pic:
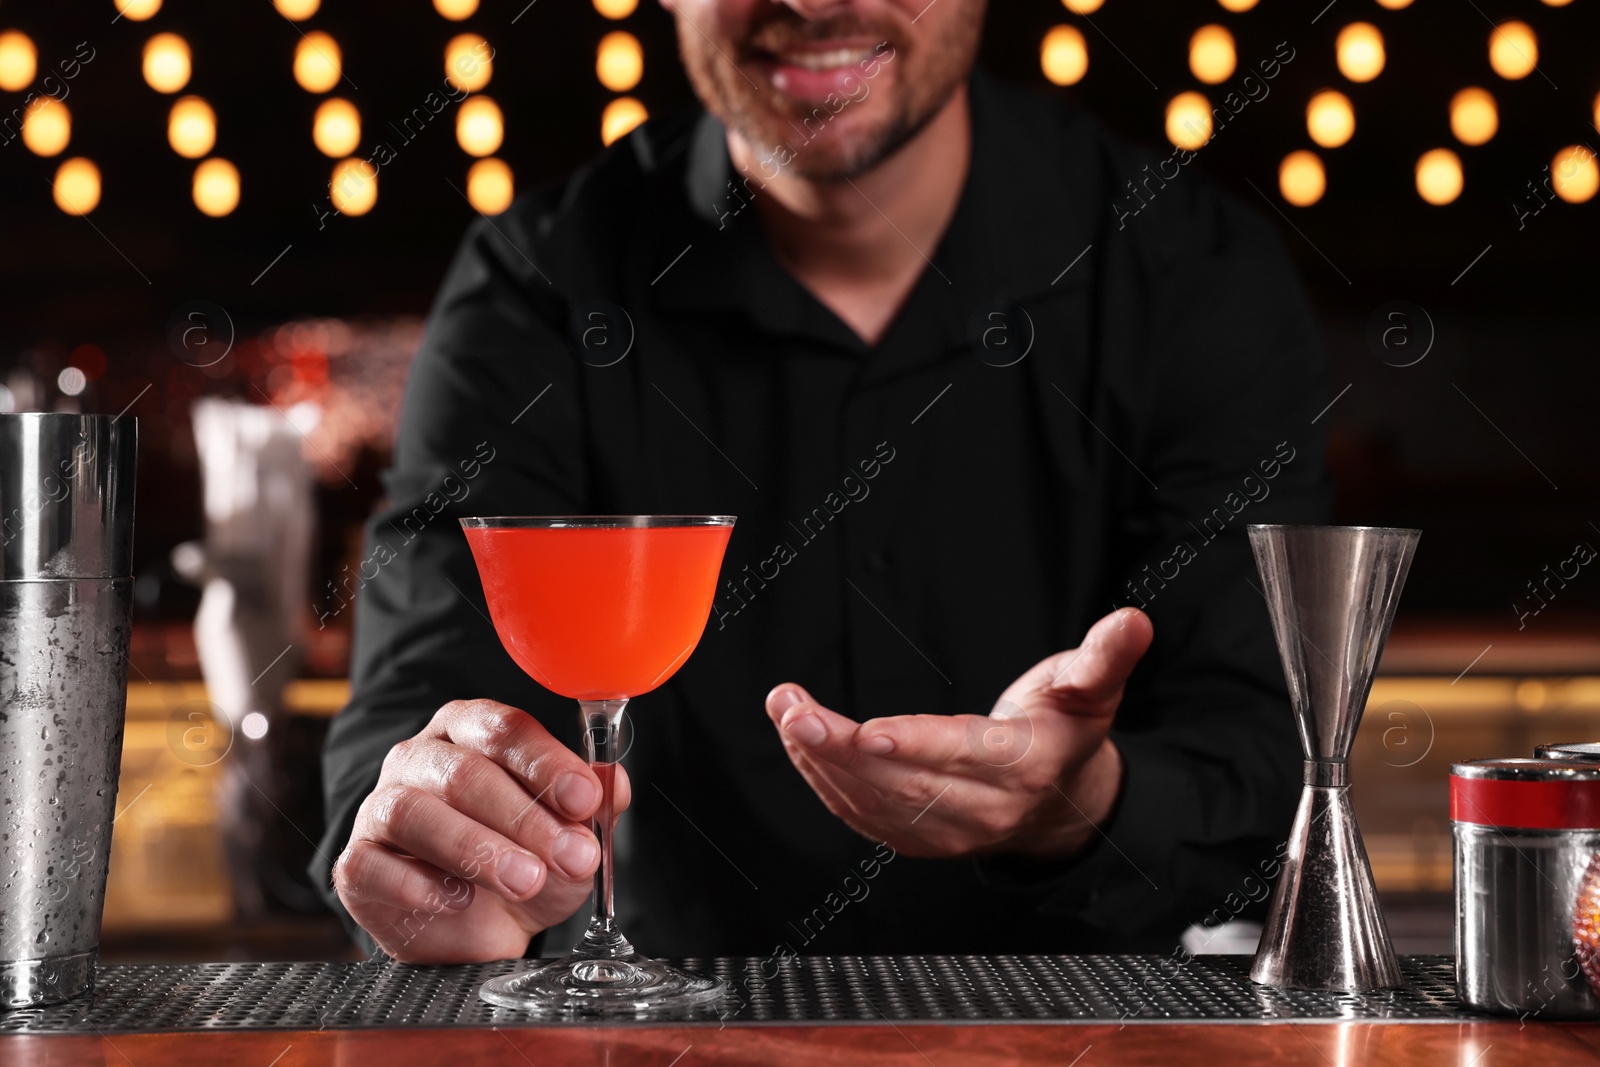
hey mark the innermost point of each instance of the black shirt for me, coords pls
(1075, 409)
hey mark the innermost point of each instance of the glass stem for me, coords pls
(602, 744)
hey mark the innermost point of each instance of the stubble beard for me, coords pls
(776, 127)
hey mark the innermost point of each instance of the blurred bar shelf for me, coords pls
(316, 697)
(1449, 645)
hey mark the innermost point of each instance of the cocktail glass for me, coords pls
(600, 609)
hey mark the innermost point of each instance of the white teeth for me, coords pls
(839, 57)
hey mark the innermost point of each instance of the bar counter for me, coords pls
(938, 1010)
(1300, 1045)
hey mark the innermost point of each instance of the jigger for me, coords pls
(1331, 592)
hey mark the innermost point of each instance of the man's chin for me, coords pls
(800, 146)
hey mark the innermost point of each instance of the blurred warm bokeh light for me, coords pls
(19, 61)
(137, 10)
(620, 117)
(1473, 116)
(616, 9)
(1189, 120)
(1330, 120)
(336, 127)
(467, 62)
(166, 62)
(456, 10)
(317, 62)
(1439, 177)
(297, 10)
(1237, 6)
(1513, 50)
(46, 126)
(489, 186)
(1211, 54)
(77, 186)
(355, 187)
(1574, 174)
(1394, 5)
(1301, 179)
(1083, 7)
(216, 187)
(479, 126)
(191, 127)
(619, 62)
(1359, 51)
(1064, 55)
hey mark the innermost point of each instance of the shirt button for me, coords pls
(877, 560)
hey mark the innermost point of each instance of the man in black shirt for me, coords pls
(965, 402)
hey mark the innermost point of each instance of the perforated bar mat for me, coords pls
(820, 989)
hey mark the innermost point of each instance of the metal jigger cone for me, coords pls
(1331, 591)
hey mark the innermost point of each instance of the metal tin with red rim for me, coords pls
(1525, 833)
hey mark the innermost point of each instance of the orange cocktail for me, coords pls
(599, 612)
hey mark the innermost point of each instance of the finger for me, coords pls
(822, 734)
(485, 792)
(926, 814)
(367, 874)
(828, 739)
(1108, 654)
(418, 823)
(783, 697)
(1094, 673)
(808, 728)
(971, 745)
(830, 784)
(876, 796)
(515, 740)
(623, 788)
(843, 800)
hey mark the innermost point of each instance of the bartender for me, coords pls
(988, 670)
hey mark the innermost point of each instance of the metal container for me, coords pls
(66, 594)
(1582, 751)
(1525, 832)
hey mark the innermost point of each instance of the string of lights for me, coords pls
(1360, 57)
(619, 65)
(1192, 118)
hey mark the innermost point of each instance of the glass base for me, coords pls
(584, 985)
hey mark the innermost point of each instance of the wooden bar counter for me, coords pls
(1474, 1044)
(882, 1011)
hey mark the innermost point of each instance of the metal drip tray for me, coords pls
(381, 994)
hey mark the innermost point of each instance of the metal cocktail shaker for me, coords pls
(66, 594)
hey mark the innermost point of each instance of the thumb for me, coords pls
(1096, 670)
(783, 697)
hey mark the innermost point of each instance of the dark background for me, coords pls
(1501, 490)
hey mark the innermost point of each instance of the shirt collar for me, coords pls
(1028, 209)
